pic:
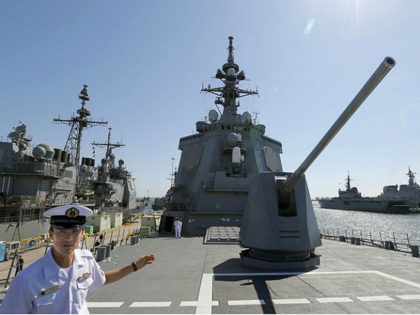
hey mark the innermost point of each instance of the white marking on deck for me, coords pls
(291, 301)
(150, 304)
(334, 300)
(246, 302)
(385, 275)
(104, 304)
(205, 296)
(409, 297)
(375, 298)
(195, 303)
(205, 301)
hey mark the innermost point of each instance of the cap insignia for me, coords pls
(72, 213)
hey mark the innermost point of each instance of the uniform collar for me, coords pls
(52, 269)
(77, 261)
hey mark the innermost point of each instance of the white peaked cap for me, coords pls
(61, 210)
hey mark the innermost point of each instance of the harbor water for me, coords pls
(400, 226)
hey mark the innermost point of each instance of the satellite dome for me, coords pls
(213, 115)
(232, 138)
(246, 117)
(231, 74)
(39, 152)
(49, 150)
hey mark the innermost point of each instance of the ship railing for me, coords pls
(110, 209)
(21, 201)
(401, 242)
(9, 219)
(25, 218)
(29, 167)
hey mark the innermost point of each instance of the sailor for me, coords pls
(19, 265)
(178, 227)
(59, 281)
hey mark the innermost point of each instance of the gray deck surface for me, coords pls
(189, 277)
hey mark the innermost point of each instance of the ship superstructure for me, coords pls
(32, 179)
(213, 178)
(114, 187)
(409, 192)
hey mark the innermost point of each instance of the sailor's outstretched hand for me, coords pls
(145, 260)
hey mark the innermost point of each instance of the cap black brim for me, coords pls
(68, 226)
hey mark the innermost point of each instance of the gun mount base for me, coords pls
(309, 263)
(279, 255)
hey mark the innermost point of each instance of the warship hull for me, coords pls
(28, 229)
(366, 205)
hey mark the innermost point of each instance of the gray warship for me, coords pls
(410, 192)
(34, 179)
(192, 276)
(351, 199)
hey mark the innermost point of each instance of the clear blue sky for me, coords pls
(145, 61)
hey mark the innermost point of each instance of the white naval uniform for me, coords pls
(178, 226)
(44, 287)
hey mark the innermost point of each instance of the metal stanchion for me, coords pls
(11, 267)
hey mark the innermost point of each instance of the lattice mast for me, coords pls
(78, 123)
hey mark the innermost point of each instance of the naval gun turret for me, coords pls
(279, 226)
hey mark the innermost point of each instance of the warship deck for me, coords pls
(190, 277)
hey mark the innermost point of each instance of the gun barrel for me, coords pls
(358, 100)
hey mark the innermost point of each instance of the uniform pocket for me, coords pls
(44, 303)
(45, 300)
(85, 284)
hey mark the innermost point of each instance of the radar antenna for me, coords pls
(109, 146)
(348, 179)
(172, 175)
(411, 177)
